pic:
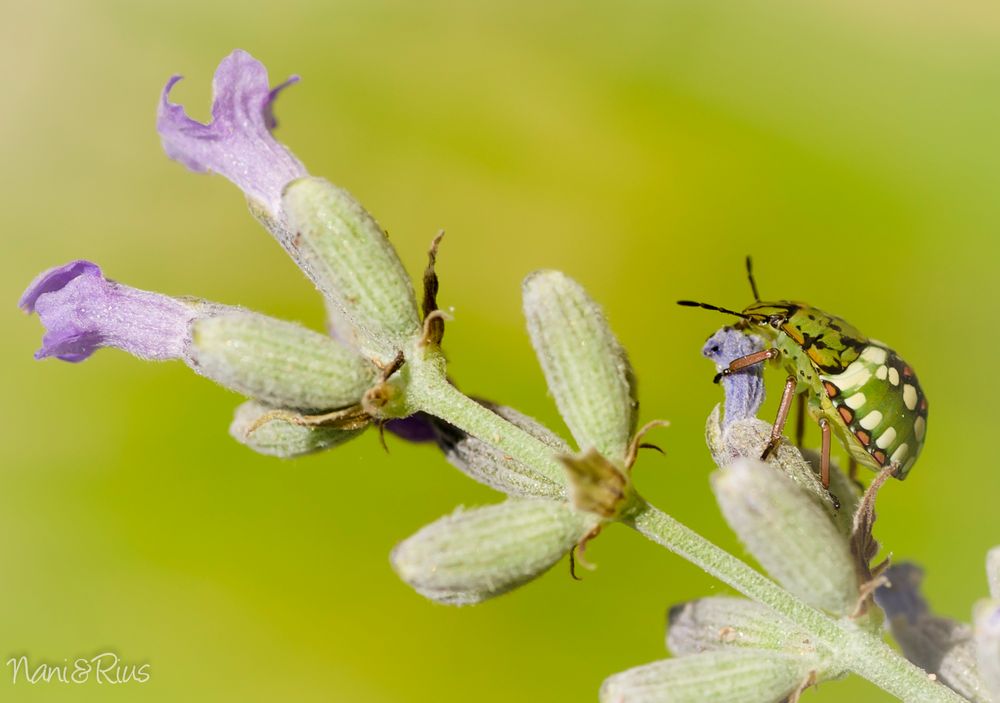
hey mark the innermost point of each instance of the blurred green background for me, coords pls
(642, 147)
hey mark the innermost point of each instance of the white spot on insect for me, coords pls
(855, 401)
(874, 355)
(871, 420)
(907, 466)
(882, 372)
(894, 376)
(909, 396)
(854, 376)
(919, 427)
(886, 438)
(900, 453)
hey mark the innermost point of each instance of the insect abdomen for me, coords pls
(879, 401)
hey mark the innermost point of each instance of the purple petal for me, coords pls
(417, 428)
(745, 388)
(902, 596)
(83, 311)
(237, 143)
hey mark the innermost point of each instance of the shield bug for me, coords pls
(854, 386)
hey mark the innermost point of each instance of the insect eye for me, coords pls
(776, 321)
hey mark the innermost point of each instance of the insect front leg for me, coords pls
(782, 418)
(745, 361)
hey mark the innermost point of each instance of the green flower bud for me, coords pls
(350, 259)
(747, 437)
(497, 469)
(585, 367)
(473, 555)
(278, 363)
(733, 676)
(791, 536)
(271, 432)
(722, 622)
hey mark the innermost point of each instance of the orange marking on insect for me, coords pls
(907, 372)
(846, 414)
(863, 437)
(923, 404)
(879, 456)
(831, 390)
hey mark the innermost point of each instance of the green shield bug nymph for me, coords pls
(855, 386)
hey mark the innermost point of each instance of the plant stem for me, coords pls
(855, 649)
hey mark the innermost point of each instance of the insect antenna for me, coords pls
(753, 283)
(707, 306)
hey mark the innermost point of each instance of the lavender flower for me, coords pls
(83, 311)
(237, 143)
(745, 389)
(279, 363)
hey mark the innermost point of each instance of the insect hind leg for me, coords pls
(781, 419)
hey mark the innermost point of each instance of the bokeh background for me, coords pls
(642, 147)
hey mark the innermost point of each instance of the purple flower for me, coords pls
(237, 143)
(83, 311)
(744, 389)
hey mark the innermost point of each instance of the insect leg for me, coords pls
(782, 418)
(824, 457)
(745, 361)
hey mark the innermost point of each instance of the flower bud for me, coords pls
(791, 536)
(350, 259)
(473, 555)
(585, 367)
(491, 466)
(722, 622)
(733, 676)
(278, 363)
(747, 437)
(986, 619)
(274, 433)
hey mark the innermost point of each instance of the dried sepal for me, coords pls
(597, 485)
